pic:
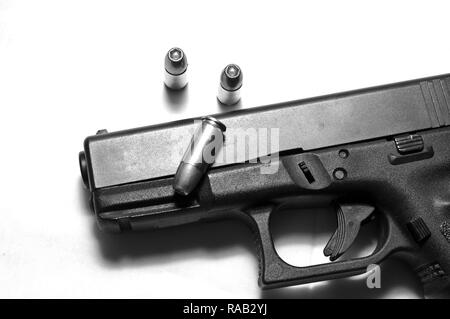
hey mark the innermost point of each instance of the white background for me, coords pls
(69, 68)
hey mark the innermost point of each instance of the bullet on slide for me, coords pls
(194, 165)
(175, 64)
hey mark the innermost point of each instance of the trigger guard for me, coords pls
(274, 272)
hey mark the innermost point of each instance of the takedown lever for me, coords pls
(349, 219)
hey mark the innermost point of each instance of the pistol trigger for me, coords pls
(349, 219)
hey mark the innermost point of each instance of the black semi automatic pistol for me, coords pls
(380, 153)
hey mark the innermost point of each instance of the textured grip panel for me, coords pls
(430, 272)
(435, 281)
(445, 230)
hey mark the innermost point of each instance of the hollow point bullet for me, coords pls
(175, 64)
(195, 163)
(230, 85)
